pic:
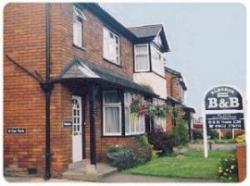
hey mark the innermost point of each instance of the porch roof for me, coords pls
(83, 69)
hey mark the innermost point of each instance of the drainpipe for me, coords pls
(47, 87)
(92, 109)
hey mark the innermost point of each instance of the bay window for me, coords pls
(78, 19)
(111, 113)
(157, 61)
(141, 58)
(133, 124)
(159, 122)
(111, 46)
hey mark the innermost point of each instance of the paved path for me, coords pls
(230, 146)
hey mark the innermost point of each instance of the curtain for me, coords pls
(142, 61)
(112, 120)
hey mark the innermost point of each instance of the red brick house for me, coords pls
(176, 88)
(70, 72)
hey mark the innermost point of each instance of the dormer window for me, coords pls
(142, 58)
(158, 41)
(78, 20)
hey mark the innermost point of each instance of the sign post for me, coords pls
(223, 110)
(205, 144)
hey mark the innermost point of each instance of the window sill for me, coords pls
(106, 60)
(78, 47)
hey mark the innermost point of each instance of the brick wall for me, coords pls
(173, 87)
(24, 39)
(241, 160)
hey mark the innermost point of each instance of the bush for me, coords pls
(180, 132)
(121, 157)
(228, 170)
(213, 134)
(142, 149)
(162, 141)
(139, 151)
(240, 139)
(197, 135)
(228, 135)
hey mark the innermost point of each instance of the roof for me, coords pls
(134, 34)
(146, 31)
(178, 75)
(108, 19)
(175, 101)
(83, 69)
(172, 71)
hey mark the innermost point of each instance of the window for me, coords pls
(111, 46)
(159, 122)
(78, 18)
(157, 61)
(133, 125)
(111, 113)
(141, 58)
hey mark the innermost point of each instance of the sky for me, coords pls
(207, 42)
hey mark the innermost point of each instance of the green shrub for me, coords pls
(121, 157)
(227, 169)
(228, 135)
(142, 139)
(213, 134)
(197, 135)
(180, 132)
(142, 149)
(139, 151)
(162, 141)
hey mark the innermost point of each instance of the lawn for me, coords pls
(190, 165)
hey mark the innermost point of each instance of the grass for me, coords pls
(190, 165)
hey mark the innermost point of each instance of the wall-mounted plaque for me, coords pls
(67, 123)
(16, 130)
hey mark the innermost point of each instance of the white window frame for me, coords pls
(159, 63)
(158, 120)
(136, 121)
(79, 17)
(104, 115)
(146, 53)
(106, 53)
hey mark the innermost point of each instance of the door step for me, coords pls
(84, 171)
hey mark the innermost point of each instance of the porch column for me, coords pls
(92, 111)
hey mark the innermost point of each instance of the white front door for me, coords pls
(76, 128)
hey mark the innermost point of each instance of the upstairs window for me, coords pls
(78, 19)
(111, 46)
(157, 61)
(141, 58)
